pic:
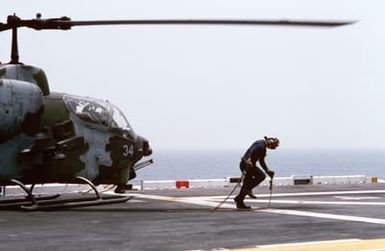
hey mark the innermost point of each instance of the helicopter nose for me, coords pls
(147, 149)
(144, 146)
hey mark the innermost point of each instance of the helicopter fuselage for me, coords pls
(55, 137)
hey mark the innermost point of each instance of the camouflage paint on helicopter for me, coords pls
(21, 102)
(54, 137)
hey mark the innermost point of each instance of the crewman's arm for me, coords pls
(264, 166)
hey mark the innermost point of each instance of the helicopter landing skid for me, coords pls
(73, 203)
(34, 203)
(17, 203)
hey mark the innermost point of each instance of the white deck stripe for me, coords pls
(181, 200)
(310, 202)
(325, 216)
(196, 201)
(307, 194)
(330, 193)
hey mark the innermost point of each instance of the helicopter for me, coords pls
(50, 137)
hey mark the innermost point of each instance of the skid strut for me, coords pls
(91, 185)
(79, 202)
(32, 203)
(26, 190)
(29, 200)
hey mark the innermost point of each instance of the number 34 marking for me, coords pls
(128, 150)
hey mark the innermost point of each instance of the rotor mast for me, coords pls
(15, 50)
(15, 47)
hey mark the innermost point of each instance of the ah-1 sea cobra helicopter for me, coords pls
(48, 137)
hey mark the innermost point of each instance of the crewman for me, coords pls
(253, 175)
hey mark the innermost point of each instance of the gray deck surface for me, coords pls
(184, 220)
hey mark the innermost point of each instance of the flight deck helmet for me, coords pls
(271, 142)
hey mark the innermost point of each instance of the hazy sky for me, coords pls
(218, 87)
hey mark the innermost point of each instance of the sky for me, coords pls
(220, 87)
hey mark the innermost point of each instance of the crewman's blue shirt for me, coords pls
(257, 152)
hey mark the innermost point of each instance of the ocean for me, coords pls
(199, 164)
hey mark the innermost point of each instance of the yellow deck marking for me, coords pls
(351, 245)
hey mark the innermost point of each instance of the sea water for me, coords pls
(216, 164)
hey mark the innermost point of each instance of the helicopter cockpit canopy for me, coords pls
(96, 111)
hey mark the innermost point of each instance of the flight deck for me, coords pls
(298, 217)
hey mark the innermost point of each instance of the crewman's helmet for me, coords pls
(271, 142)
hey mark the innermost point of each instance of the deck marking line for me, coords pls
(304, 194)
(348, 244)
(181, 199)
(308, 243)
(356, 198)
(325, 216)
(275, 211)
(311, 202)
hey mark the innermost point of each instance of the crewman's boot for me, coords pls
(239, 202)
(250, 194)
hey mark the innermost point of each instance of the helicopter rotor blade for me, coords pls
(213, 22)
(65, 23)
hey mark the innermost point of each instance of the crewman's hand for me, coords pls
(249, 164)
(270, 173)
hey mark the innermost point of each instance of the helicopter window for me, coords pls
(89, 110)
(119, 120)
